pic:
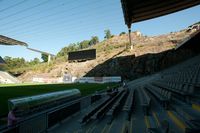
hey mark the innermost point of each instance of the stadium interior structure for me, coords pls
(140, 10)
(10, 41)
(165, 102)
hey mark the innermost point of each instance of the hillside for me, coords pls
(112, 58)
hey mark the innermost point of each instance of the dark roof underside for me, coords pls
(9, 41)
(139, 10)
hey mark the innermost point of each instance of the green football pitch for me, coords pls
(21, 90)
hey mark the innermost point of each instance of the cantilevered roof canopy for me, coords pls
(139, 10)
(9, 41)
(42, 52)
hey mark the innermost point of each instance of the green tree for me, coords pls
(122, 33)
(107, 34)
(35, 61)
(94, 40)
(44, 57)
(84, 44)
(62, 52)
(14, 62)
(7, 59)
(71, 47)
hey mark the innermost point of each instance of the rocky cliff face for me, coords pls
(131, 67)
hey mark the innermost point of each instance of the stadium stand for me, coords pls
(6, 78)
(179, 87)
(166, 102)
(161, 103)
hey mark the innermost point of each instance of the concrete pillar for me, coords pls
(49, 58)
(130, 41)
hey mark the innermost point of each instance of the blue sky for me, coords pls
(49, 25)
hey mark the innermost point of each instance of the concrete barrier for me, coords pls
(99, 79)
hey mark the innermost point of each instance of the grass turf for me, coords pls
(13, 91)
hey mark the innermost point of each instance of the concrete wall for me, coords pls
(99, 79)
(74, 79)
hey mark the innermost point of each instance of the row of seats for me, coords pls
(102, 108)
(107, 106)
(182, 112)
(178, 88)
(186, 73)
(90, 113)
(175, 87)
(164, 96)
(145, 100)
(129, 104)
(123, 100)
(120, 101)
